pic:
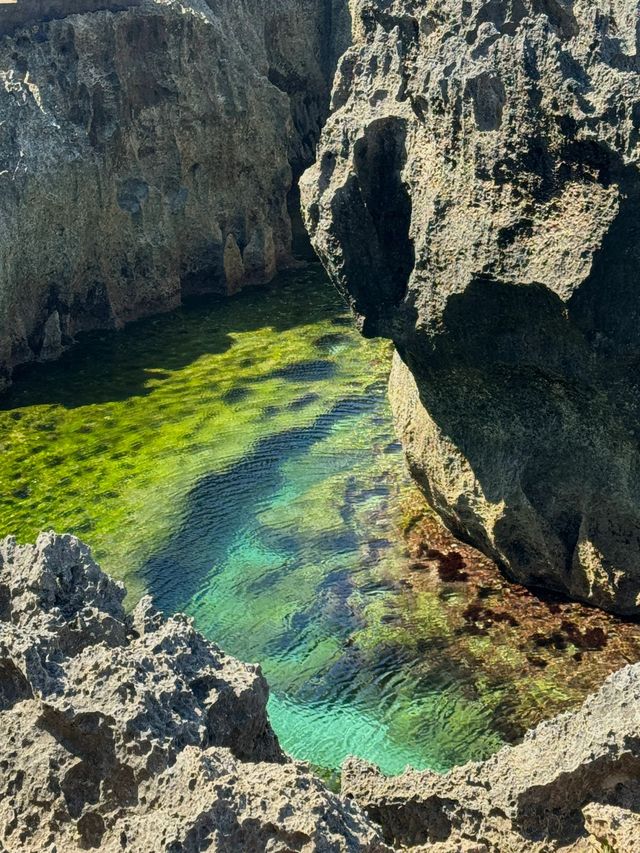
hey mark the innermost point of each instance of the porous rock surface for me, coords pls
(147, 154)
(572, 785)
(133, 733)
(476, 197)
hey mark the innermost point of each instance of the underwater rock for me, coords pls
(523, 657)
(139, 147)
(476, 198)
(571, 785)
(133, 733)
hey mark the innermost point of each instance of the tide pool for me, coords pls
(236, 460)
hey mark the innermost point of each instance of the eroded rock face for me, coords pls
(476, 198)
(571, 785)
(133, 733)
(148, 154)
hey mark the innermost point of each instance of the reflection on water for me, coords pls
(236, 460)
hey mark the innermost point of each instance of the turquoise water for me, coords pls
(236, 460)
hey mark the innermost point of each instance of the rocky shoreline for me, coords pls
(571, 785)
(132, 732)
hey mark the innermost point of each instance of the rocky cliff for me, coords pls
(476, 197)
(149, 153)
(131, 732)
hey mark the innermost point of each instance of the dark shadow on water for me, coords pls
(220, 504)
(304, 371)
(302, 403)
(332, 608)
(113, 366)
(236, 395)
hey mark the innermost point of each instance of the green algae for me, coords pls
(236, 460)
(108, 442)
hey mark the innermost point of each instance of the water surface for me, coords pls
(236, 460)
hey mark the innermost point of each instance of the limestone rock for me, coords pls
(615, 827)
(19, 13)
(571, 785)
(476, 198)
(135, 146)
(133, 733)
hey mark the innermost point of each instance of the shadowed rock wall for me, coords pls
(15, 14)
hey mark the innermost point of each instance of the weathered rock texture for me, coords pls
(476, 196)
(571, 785)
(133, 733)
(18, 13)
(149, 153)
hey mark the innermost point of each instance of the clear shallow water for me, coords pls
(236, 460)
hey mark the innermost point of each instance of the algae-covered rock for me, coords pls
(476, 197)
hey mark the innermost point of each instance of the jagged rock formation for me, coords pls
(18, 13)
(476, 197)
(149, 153)
(133, 733)
(572, 785)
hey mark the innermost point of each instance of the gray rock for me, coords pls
(476, 199)
(571, 785)
(133, 733)
(135, 146)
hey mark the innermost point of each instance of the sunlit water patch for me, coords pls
(236, 460)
